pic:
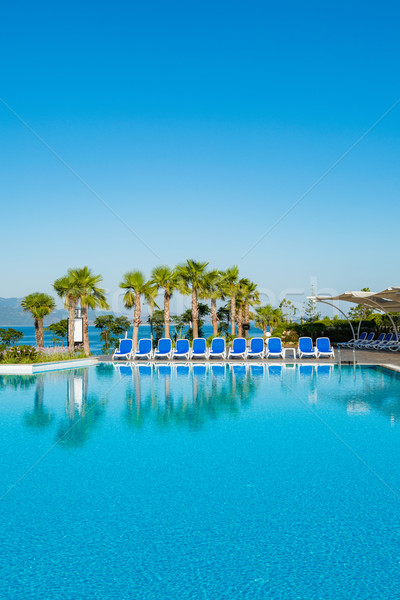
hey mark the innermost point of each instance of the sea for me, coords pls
(94, 336)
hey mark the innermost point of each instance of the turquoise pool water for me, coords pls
(200, 483)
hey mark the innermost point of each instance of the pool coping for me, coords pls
(31, 369)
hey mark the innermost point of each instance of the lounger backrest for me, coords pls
(218, 345)
(199, 345)
(239, 345)
(125, 346)
(305, 344)
(144, 346)
(370, 336)
(164, 345)
(362, 336)
(324, 344)
(182, 346)
(381, 337)
(388, 337)
(257, 345)
(274, 344)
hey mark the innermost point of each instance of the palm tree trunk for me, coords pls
(151, 322)
(240, 321)
(86, 348)
(233, 314)
(246, 319)
(167, 298)
(136, 321)
(214, 317)
(71, 325)
(195, 314)
(39, 333)
(264, 329)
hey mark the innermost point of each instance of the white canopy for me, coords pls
(387, 301)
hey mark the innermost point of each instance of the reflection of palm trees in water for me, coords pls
(174, 402)
(39, 418)
(83, 411)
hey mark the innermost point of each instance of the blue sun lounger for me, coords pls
(218, 348)
(164, 349)
(353, 341)
(324, 348)
(274, 348)
(239, 348)
(144, 350)
(306, 347)
(182, 349)
(256, 348)
(124, 350)
(199, 348)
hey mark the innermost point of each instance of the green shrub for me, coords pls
(19, 354)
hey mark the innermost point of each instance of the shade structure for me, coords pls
(387, 301)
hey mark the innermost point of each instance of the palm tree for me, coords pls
(67, 287)
(91, 296)
(39, 305)
(251, 297)
(167, 279)
(230, 282)
(135, 285)
(191, 280)
(240, 302)
(150, 295)
(213, 290)
(266, 315)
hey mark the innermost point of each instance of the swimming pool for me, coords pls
(216, 482)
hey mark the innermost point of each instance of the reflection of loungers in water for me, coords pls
(199, 370)
(164, 370)
(239, 371)
(218, 370)
(144, 370)
(125, 371)
(257, 370)
(182, 370)
(324, 370)
(306, 370)
(275, 370)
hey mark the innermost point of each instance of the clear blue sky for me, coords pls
(200, 124)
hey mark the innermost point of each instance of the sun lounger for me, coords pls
(239, 348)
(182, 349)
(324, 348)
(218, 348)
(199, 348)
(385, 343)
(164, 349)
(306, 347)
(370, 345)
(353, 341)
(144, 349)
(124, 350)
(274, 348)
(256, 348)
(368, 340)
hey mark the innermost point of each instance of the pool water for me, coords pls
(200, 483)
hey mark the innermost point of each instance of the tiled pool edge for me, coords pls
(49, 366)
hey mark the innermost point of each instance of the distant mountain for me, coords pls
(12, 315)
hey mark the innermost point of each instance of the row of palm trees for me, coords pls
(80, 287)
